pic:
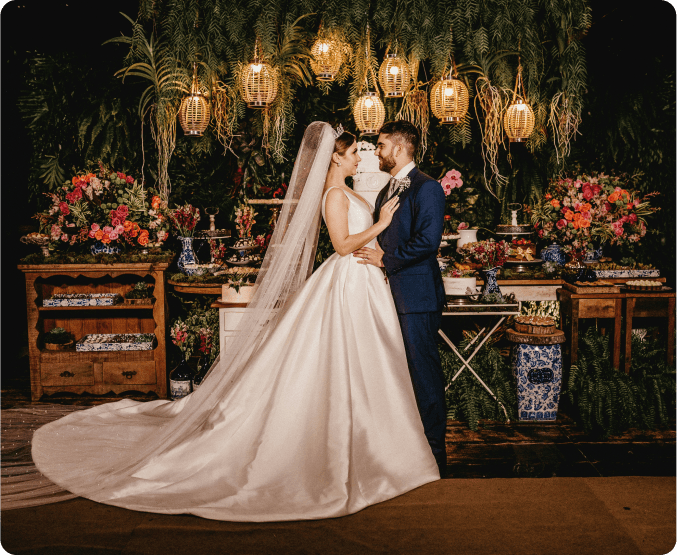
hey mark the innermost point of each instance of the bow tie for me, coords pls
(398, 185)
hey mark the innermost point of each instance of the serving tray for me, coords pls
(83, 299)
(626, 273)
(116, 342)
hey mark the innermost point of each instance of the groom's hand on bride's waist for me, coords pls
(370, 256)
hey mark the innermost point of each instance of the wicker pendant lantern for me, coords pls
(449, 97)
(369, 113)
(327, 57)
(258, 82)
(394, 76)
(194, 111)
(519, 120)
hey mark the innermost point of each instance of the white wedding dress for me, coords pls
(322, 423)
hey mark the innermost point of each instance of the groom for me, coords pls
(407, 249)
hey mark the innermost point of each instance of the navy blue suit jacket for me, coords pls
(410, 245)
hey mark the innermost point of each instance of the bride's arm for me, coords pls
(336, 216)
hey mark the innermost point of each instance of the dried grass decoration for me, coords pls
(564, 120)
(394, 75)
(194, 111)
(369, 113)
(327, 57)
(519, 120)
(449, 100)
(258, 82)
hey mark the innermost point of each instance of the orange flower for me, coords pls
(144, 232)
(627, 195)
(88, 177)
(629, 206)
(569, 215)
(577, 216)
(555, 203)
(584, 223)
(98, 235)
(155, 203)
(585, 207)
(613, 197)
(128, 225)
(577, 224)
(548, 196)
(76, 179)
(105, 239)
(143, 240)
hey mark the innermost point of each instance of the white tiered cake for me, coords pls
(369, 180)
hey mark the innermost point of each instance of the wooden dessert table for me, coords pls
(96, 372)
(631, 304)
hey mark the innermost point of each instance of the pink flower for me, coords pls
(587, 193)
(577, 183)
(446, 187)
(577, 206)
(64, 238)
(119, 229)
(632, 218)
(561, 224)
(108, 230)
(63, 206)
(95, 227)
(636, 202)
(586, 215)
(129, 179)
(113, 236)
(624, 219)
(123, 211)
(462, 225)
(55, 232)
(617, 189)
(596, 189)
(92, 233)
(116, 222)
(618, 228)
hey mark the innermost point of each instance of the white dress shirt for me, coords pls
(400, 175)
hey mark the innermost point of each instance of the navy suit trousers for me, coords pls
(420, 331)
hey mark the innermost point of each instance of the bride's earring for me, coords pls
(338, 163)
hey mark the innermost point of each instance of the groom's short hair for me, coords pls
(404, 133)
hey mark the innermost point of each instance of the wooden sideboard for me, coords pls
(97, 372)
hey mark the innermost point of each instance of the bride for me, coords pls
(311, 412)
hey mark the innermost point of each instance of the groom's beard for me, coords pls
(386, 163)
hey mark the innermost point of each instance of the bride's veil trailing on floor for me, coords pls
(162, 426)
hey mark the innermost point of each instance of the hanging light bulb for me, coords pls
(327, 57)
(258, 82)
(519, 119)
(449, 98)
(194, 111)
(369, 113)
(394, 76)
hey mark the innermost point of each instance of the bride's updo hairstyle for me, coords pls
(343, 142)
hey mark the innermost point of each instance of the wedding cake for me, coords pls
(369, 180)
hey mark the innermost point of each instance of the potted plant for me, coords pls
(240, 286)
(459, 281)
(141, 294)
(58, 339)
(185, 219)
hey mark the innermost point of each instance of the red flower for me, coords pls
(122, 175)
(587, 193)
(123, 211)
(632, 218)
(63, 206)
(561, 224)
(75, 194)
(129, 179)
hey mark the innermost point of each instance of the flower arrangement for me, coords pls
(185, 218)
(244, 220)
(205, 336)
(489, 254)
(182, 338)
(577, 212)
(106, 206)
(196, 333)
(452, 272)
(452, 180)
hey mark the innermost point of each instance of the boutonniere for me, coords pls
(403, 185)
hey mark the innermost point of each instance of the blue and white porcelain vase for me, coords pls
(538, 369)
(102, 248)
(553, 253)
(187, 256)
(490, 283)
(593, 255)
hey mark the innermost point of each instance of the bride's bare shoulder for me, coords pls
(336, 196)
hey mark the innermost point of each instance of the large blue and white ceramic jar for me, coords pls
(538, 369)
(187, 256)
(553, 253)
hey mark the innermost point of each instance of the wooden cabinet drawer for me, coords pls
(56, 373)
(597, 308)
(121, 373)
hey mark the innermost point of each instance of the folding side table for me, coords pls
(502, 310)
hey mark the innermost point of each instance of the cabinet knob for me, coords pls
(128, 374)
(66, 374)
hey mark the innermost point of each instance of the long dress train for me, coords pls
(322, 423)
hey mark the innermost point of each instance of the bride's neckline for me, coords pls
(352, 193)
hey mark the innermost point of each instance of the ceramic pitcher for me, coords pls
(467, 236)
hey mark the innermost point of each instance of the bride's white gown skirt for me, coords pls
(322, 423)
